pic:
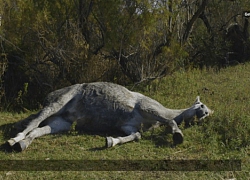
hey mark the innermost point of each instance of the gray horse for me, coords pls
(103, 107)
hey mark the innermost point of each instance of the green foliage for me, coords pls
(209, 43)
(51, 44)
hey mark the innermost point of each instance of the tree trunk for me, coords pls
(193, 19)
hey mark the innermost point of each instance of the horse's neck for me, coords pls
(181, 114)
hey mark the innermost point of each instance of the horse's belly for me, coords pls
(103, 121)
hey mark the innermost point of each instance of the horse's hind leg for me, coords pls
(55, 124)
(21, 125)
(34, 123)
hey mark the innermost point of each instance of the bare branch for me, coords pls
(193, 19)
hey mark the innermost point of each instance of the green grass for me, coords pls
(222, 136)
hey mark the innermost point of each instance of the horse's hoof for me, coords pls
(11, 142)
(177, 138)
(109, 142)
(20, 146)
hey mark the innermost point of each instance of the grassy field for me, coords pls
(222, 136)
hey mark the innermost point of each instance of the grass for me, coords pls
(222, 136)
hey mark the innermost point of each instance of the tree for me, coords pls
(48, 44)
(138, 35)
(206, 43)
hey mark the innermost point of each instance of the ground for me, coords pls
(223, 136)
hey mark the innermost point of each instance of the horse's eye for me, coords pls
(202, 106)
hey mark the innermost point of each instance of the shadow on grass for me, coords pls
(103, 135)
(160, 136)
(7, 132)
(160, 139)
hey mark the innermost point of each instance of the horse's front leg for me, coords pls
(132, 132)
(177, 134)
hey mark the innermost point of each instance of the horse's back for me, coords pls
(103, 107)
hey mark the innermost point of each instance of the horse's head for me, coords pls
(201, 109)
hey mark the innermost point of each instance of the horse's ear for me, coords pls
(197, 100)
